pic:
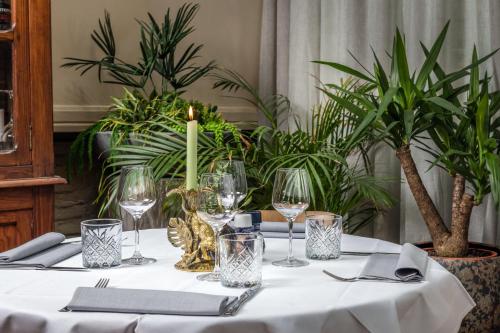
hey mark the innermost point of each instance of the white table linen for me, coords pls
(293, 300)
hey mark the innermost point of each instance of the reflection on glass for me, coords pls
(7, 144)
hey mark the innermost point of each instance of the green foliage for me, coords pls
(165, 151)
(401, 108)
(133, 114)
(469, 143)
(160, 58)
(321, 148)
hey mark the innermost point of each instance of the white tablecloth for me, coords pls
(293, 300)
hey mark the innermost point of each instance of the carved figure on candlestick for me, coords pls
(191, 234)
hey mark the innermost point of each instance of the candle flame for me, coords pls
(191, 113)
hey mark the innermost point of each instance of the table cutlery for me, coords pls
(362, 253)
(63, 268)
(354, 279)
(54, 268)
(233, 307)
(102, 283)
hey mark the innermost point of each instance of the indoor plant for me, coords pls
(335, 186)
(401, 108)
(160, 76)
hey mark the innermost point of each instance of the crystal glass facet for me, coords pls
(241, 259)
(323, 236)
(101, 243)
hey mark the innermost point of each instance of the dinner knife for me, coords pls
(245, 297)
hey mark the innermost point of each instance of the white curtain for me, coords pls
(298, 31)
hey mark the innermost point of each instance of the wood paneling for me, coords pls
(27, 182)
(16, 199)
(6, 36)
(15, 228)
(27, 175)
(25, 171)
(41, 87)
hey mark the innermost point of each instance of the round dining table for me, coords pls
(292, 300)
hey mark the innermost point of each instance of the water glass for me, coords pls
(241, 259)
(323, 236)
(101, 243)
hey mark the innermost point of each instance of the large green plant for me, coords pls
(403, 107)
(161, 66)
(321, 147)
(134, 113)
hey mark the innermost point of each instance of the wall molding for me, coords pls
(76, 118)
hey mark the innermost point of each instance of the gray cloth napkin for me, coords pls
(408, 266)
(281, 227)
(41, 252)
(271, 234)
(31, 247)
(144, 301)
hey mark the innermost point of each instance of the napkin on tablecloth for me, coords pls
(271, 234)
(280, 230)
(144, 301)
(282, 227)
(43, 251)
(409, 266)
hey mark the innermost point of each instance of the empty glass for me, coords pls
(241, 259)
(101, 243)
(290, 199)
(137, 194)
(217, 206)
(237, 170)
(323, 236)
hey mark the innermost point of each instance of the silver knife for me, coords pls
(245, 297)
(356, 253)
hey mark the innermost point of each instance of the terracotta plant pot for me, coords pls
(480, 275)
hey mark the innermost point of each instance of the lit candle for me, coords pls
(192, 151)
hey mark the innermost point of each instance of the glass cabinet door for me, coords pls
(15, 108)
(7, 141)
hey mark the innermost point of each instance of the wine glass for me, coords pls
(237, 170)
(137, 194)
(290, 199)
(217, 206)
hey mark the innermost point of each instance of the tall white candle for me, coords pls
(192, 152)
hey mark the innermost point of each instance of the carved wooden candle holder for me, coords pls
(191, 234)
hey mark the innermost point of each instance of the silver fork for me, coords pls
(102, 283)
(354, 279)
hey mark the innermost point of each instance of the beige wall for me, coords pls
(229, 29)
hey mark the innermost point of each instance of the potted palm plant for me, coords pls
(153, 85)
(405, 109)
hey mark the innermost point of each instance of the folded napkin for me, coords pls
(144, 301)
(273, 234)
(282, 227)
(43, 251)
(408, 266)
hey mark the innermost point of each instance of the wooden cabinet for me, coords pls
(26, 136)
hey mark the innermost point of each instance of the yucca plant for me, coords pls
(161, 68)
(321, 147)
(403, 107)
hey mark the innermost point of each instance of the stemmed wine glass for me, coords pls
(137, 194)
(217, 206)
(290, 199)
(237, 170)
